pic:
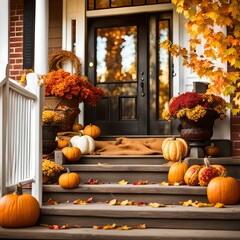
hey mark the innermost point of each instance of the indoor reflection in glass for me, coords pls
(116, 54)
(163, 67)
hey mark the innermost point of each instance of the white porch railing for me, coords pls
(21, 134)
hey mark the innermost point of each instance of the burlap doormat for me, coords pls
(129, 146)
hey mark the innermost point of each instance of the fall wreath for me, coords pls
(56, 59)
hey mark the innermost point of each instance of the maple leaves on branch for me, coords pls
(206, 20)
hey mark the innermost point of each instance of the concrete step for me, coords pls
(139, 193)
(135, 234)
(170, 216)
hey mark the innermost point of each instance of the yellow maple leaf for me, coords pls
(123, 182)
(109, 226)
(219, 205)
(156, 205)
(124, 203)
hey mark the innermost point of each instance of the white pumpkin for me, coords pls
(85, 143)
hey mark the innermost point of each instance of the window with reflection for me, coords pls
(116, 54)
(163, 66)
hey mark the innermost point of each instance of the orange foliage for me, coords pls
(203, 17)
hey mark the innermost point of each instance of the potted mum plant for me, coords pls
(197, 113)
(64, 92)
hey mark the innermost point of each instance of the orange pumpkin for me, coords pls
(62, 143)
(69, 180)
(92, 130)
(224, 190)
(18, 209)
(177, 171)
(212, 150)
(174, 148)
(77, 127)
(72, 154)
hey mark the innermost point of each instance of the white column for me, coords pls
(41, 37)
(4, 36)
(40, 67)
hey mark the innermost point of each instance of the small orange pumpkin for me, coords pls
(212, 150)
(224, 190)
(177, 171)
(77, 127)
(69, 180)
(18, 209)
(72, 154)
(174, 148)
(92, 130)
(62, 143)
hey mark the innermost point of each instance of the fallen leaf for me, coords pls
(123, 182)
(140, 182)
(164, 184)
(114, 202)
(92, 181)
(124, 203)
(109, 226)
(156, 205)
(219, 205)
(52, 201)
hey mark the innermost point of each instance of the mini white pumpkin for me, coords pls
(85, 143)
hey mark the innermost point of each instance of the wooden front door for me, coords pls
(124, 60)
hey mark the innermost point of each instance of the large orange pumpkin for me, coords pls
(224, 190)
(69, 180)
(174, 148)
(18, 209)
(72, 154)
(177, 171)
(92, 130)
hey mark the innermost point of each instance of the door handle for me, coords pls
(142, 85)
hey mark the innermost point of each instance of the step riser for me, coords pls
(150, 223)
(103, 197)
(131, 177)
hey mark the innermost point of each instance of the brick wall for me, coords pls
(16, 38)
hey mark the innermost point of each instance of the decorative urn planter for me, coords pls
(198, 131)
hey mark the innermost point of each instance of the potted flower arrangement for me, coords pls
(51, 121)
(66, 91)
(197, 113)
(49, 170)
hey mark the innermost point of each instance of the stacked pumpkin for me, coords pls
(220, 187)
(74, 147)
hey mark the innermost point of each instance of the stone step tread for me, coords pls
(117, 168)
(230, 212)
(38, 232)
(129, 188)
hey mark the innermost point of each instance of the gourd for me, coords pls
(177, 171)
(69, 180)
(62, 143)
(84, 142)
(191, 175)
(174, 148)
(92, 130)
(18, 209)
(76, 127)
(207, 173)
(72, 154)
(223, 189)
(212, 150)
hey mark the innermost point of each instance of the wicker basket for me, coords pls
(66, 107)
